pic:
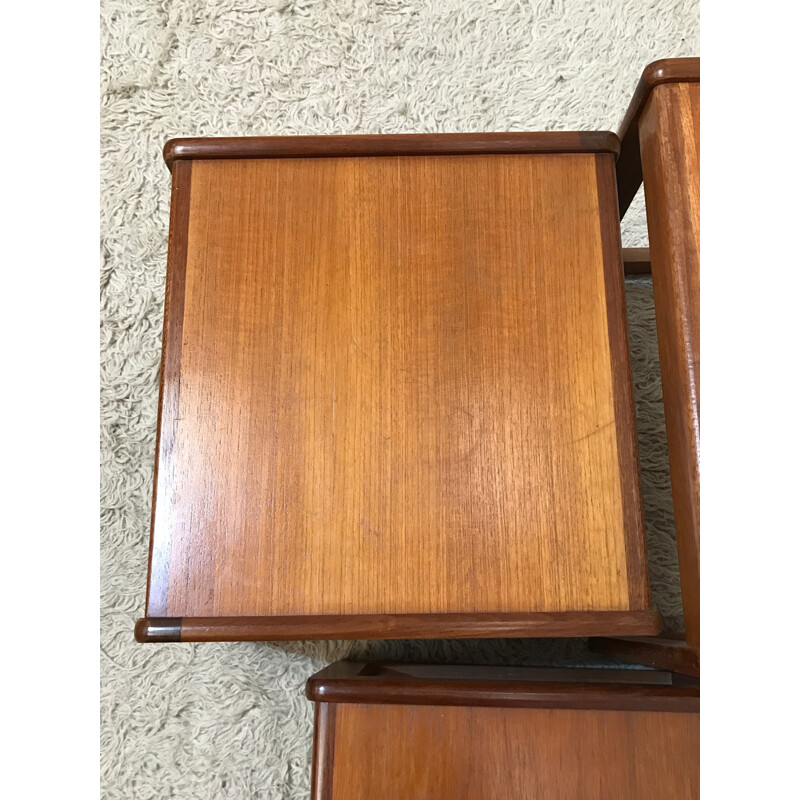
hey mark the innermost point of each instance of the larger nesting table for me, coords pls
(396, 398)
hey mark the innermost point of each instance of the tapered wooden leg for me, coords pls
(661, 145)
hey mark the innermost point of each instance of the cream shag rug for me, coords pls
(231, 720)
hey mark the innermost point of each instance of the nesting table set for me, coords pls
(396, 402)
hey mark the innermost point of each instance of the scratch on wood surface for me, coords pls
(593, 433)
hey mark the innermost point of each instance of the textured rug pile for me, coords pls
(231, 720)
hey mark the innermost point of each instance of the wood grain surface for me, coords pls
(389, 388)
(405, 751)
(397, 626)
(395, 144)
(622, 382)
(169, 388)
(670, 145)
(508, 687)
(629, 162)
(324, 748)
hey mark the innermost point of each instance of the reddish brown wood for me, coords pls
(670, 144)
(521, 687)
(396, 626)
(158, 630)
(636, 260)
(629, 165)
(324, 749)
(396, 752)
(658, 652)
(664, 123)
(169, 383)
(240, 558)
(450, 732)
(627, 453)
(415, 144)
(376, 672)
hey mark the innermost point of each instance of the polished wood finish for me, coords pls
(670, 145)
(395, 626)
(170, 381)
(658, 652)
(397, 402)
(636, 260)
(404, 751)
(520, 687)
(324, 747)
(663, 123)
(629, 164)
(149, 629)
(414, 144)
(425, 731)
(624, 411)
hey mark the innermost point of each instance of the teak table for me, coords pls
(661, 146)
(399, 731)
(396, 397)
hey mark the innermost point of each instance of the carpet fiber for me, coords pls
(231, 720)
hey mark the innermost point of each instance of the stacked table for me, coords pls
(396, 402)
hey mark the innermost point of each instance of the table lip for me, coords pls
(657, 73)
(660, 652)
(533, 687)
(665, 70)
(534, 624)
(385, 145)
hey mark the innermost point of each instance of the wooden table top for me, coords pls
(436, 731)
(396, 397)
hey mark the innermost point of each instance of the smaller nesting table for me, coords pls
(399, 731)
